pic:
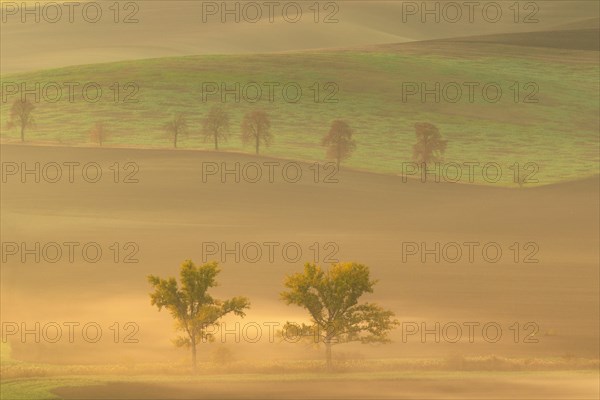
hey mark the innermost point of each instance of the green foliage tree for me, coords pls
(216, 125)
(332, 300)
(176, 127)
(430, 146)
(20, 116)
(256, 129)
(339, 142)
(193, 309)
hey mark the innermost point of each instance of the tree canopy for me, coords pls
(190, 305)
(339, 142)
(332, 299)
(256, 129)
(430, 146)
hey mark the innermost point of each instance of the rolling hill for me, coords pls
(546, 111)
(177, 28)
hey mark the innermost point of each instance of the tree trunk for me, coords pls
(257, 142)
(22, 133)
(194, 363)
(216, 141)
(328, 355)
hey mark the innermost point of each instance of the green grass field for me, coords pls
(31, 381)
(40, 388)
(559, 132)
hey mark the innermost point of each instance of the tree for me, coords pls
(193, 309)
(339, 142)
(430, 146)
(216, 125)
(175, 127)
(222, 356)
(255, 129)
(20, 116)
(331, 298)
(99, 133)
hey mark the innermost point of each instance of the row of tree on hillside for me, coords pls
(255, 130)
(331, 298)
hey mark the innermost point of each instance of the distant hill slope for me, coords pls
(557, 129)
(576, 39)
(588, 23)
(176, 28)
(537, 41)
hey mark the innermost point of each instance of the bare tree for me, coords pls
(216, 125)
(430, 146)
(255, 129)
(339, 142)
(176, 127)
(99, 133)
(20, 116)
